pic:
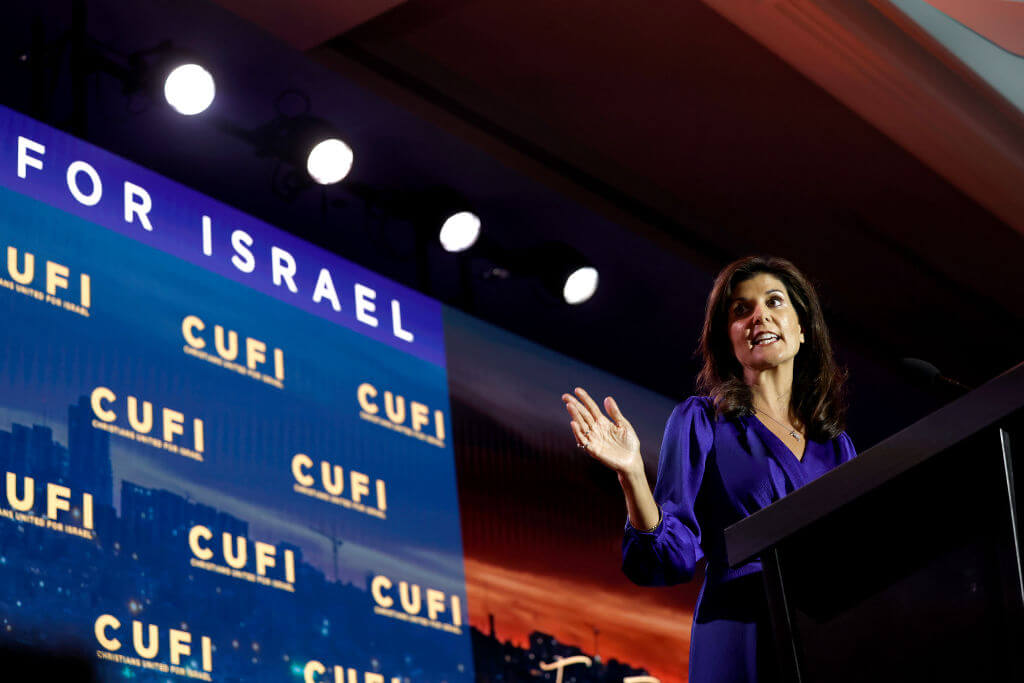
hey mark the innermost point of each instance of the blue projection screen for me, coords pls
(225, 452)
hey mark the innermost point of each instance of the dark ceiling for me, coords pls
(660, 139)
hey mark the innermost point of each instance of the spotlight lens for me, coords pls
(460, 231)
(189, 89)
(330, 161)
(580, 286)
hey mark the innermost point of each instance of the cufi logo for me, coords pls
(409, 417)
(255, 353)
(146, 640)
(58, 499)
(50, 282)
(426, 607)
(331, 487)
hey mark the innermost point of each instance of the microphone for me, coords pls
(930, 376)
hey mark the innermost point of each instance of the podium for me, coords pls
(905, 563)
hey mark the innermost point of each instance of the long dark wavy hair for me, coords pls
(818, 399)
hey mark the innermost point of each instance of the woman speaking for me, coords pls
(769, 421)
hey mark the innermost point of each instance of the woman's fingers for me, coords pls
(581, 422)
(589, 404)
(581, 437)
(579, 412)
(589, 425)
(613, 411)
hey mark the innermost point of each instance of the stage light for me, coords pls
(164, 69)
(563, 271)
(309, 149)
(189, 89)
(329, 161)
(460, 231)
(580, 285)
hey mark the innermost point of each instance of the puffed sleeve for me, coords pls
(844, 446)
(669, 554)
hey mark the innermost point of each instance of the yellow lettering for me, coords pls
(188, 327)
(312, 668)
(359, 487)
(456, 610)
(180, 645)
(85, 290)
(410, 597)
(150, 650)
(279, 364)
(144, 424)
(420, 415)
(207, 653)
(377, 586)
(194, 534)
(333, 486)
(394, 407)
(561, 662)
(103, 622)
(289, 566)
(301, 462)
(229, 352)
(25, 276)
(265, 557)
(57, 498)
(435, 603)
(28, 499)
(199, 442)
(255, 352)
(237, 559)
(439, 424)
(87, 510)
(99, 395)
(56, 276)
(174, 424)
(364, 393)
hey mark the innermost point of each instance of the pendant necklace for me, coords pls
(792, 432)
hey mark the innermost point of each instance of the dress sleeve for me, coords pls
(844, 446)
(669, 553)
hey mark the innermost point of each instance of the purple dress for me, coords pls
(713, 473)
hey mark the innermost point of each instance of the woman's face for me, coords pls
(763, 325)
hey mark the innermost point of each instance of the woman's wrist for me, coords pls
(644, 513)
(646, 530)
(633, 474)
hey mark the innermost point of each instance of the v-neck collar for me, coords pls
(783, 455)
(780, 442)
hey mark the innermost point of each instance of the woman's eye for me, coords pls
(775, 301)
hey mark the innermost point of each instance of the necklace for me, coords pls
(792, 432)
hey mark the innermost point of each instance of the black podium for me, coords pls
(905, 563)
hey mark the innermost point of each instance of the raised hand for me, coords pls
(610, 440)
